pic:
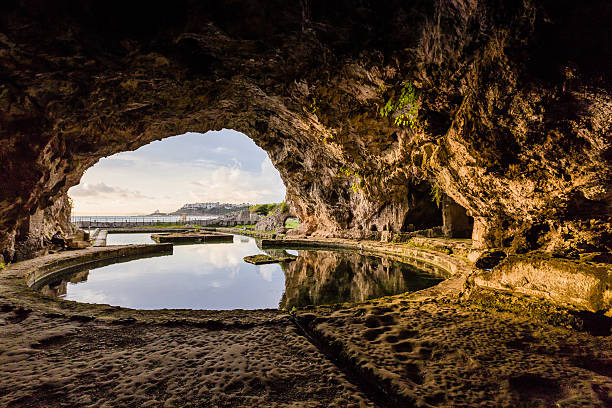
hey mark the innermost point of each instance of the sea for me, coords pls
(139, 218)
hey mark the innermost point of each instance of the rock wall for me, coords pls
(35, 231)
(369, 110)
(275, 221)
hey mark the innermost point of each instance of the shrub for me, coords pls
(436, 194)
(407, 106)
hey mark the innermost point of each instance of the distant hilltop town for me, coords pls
(216, 208)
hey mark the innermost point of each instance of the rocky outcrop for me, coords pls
(36, 230)
(577, 284)
(275, 220)
(371, 113)
(244, 217)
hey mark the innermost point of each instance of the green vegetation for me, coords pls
(313, 106)
(262, 259)
(444, 250)
(4, 266)
(534, 308)
(262, 209)
(161, 225)
(291, 223)
(407, 106)
(291, 312)
(346, 172)
(436, 194)
(266, 209)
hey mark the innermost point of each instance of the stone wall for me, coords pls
(275, 221)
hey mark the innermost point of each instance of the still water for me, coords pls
(214, 276)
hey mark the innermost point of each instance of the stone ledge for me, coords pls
(248, 233)
(579, 284)
(37, 268)
(137, 230)
(100, 238)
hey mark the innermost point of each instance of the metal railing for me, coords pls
(134, 222)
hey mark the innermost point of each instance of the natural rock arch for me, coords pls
(513, 110)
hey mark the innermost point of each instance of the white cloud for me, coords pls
(146, 180)
(102, 189)
(267, 272)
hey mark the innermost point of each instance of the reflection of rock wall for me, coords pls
(59, 287)
(55, 289)
(324, 277)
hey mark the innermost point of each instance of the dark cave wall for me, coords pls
(513, 122)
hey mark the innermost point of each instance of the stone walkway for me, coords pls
(56, 360)
(444, 353)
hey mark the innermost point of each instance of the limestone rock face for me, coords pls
(371, 112)
(563, 281)
(275, 221)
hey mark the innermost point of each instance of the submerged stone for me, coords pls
(267, 259)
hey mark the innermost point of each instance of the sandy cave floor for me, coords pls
(422, 353)
(52, 361)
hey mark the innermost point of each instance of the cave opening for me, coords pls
(457, 223)
(436, 214)
(422, 218)
(189, 174)
(424, 211)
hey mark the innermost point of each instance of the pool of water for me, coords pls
(123, 239)
(215, 276)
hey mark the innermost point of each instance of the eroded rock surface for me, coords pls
(506, 107)
(93, 364)
(580, 284)
(444, 353)
(275, 221)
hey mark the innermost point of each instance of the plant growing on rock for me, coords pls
(314, 108)
(406, 107)
(346, 172)
(436, 194)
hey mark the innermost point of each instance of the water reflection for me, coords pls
(214, 276)
(131, 238)
(319, 277)
(59, 287)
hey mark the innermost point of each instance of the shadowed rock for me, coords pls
(505, 110)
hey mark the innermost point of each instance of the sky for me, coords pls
(225, 166)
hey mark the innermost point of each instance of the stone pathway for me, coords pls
(444, 353)
(53, 360)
